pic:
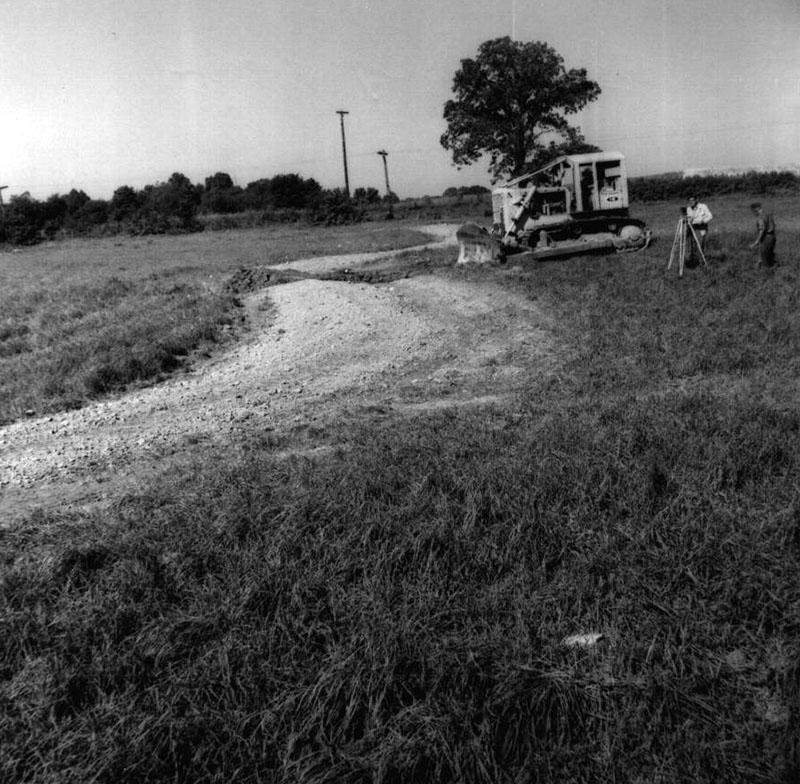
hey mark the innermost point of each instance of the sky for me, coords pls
(96, 94)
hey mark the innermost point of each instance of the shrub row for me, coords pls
(668, 187)
(176, 206)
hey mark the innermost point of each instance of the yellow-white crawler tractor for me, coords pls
(575, 204)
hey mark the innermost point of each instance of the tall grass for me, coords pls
(395, 609)
(85, 318)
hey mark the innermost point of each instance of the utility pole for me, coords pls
(341, 114)
(383, 155)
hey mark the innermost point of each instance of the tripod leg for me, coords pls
(683, 250)
(674, 247)
(697, 242)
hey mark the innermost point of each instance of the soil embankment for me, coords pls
(334, 335)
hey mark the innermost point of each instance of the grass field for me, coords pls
(85, 318)
(394, 610)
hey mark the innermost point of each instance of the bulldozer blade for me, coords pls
(477, 246)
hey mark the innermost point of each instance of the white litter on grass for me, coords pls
(582, 640)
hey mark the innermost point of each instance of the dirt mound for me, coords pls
(322, 342)
(247, 280)
(384, 269)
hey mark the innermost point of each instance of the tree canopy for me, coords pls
(511, 103)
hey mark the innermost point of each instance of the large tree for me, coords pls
(511, 103)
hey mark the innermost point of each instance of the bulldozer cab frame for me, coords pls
(571, 185)
(574, 204)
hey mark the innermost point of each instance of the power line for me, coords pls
(604, 138)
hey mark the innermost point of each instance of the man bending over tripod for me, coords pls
(698, 216)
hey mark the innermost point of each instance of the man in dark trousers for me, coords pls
(765, 239)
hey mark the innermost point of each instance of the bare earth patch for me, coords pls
(316, 350)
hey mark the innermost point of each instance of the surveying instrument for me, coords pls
(683, 234)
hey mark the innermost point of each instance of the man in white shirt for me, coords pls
(698, 216)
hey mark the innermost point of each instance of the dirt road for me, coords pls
(313, 348)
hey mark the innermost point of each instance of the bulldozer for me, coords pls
(574, 205)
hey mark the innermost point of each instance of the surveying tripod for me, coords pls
(685, 232)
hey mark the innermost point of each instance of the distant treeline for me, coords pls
(177, 206)
(674, 186)
(469, 190)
